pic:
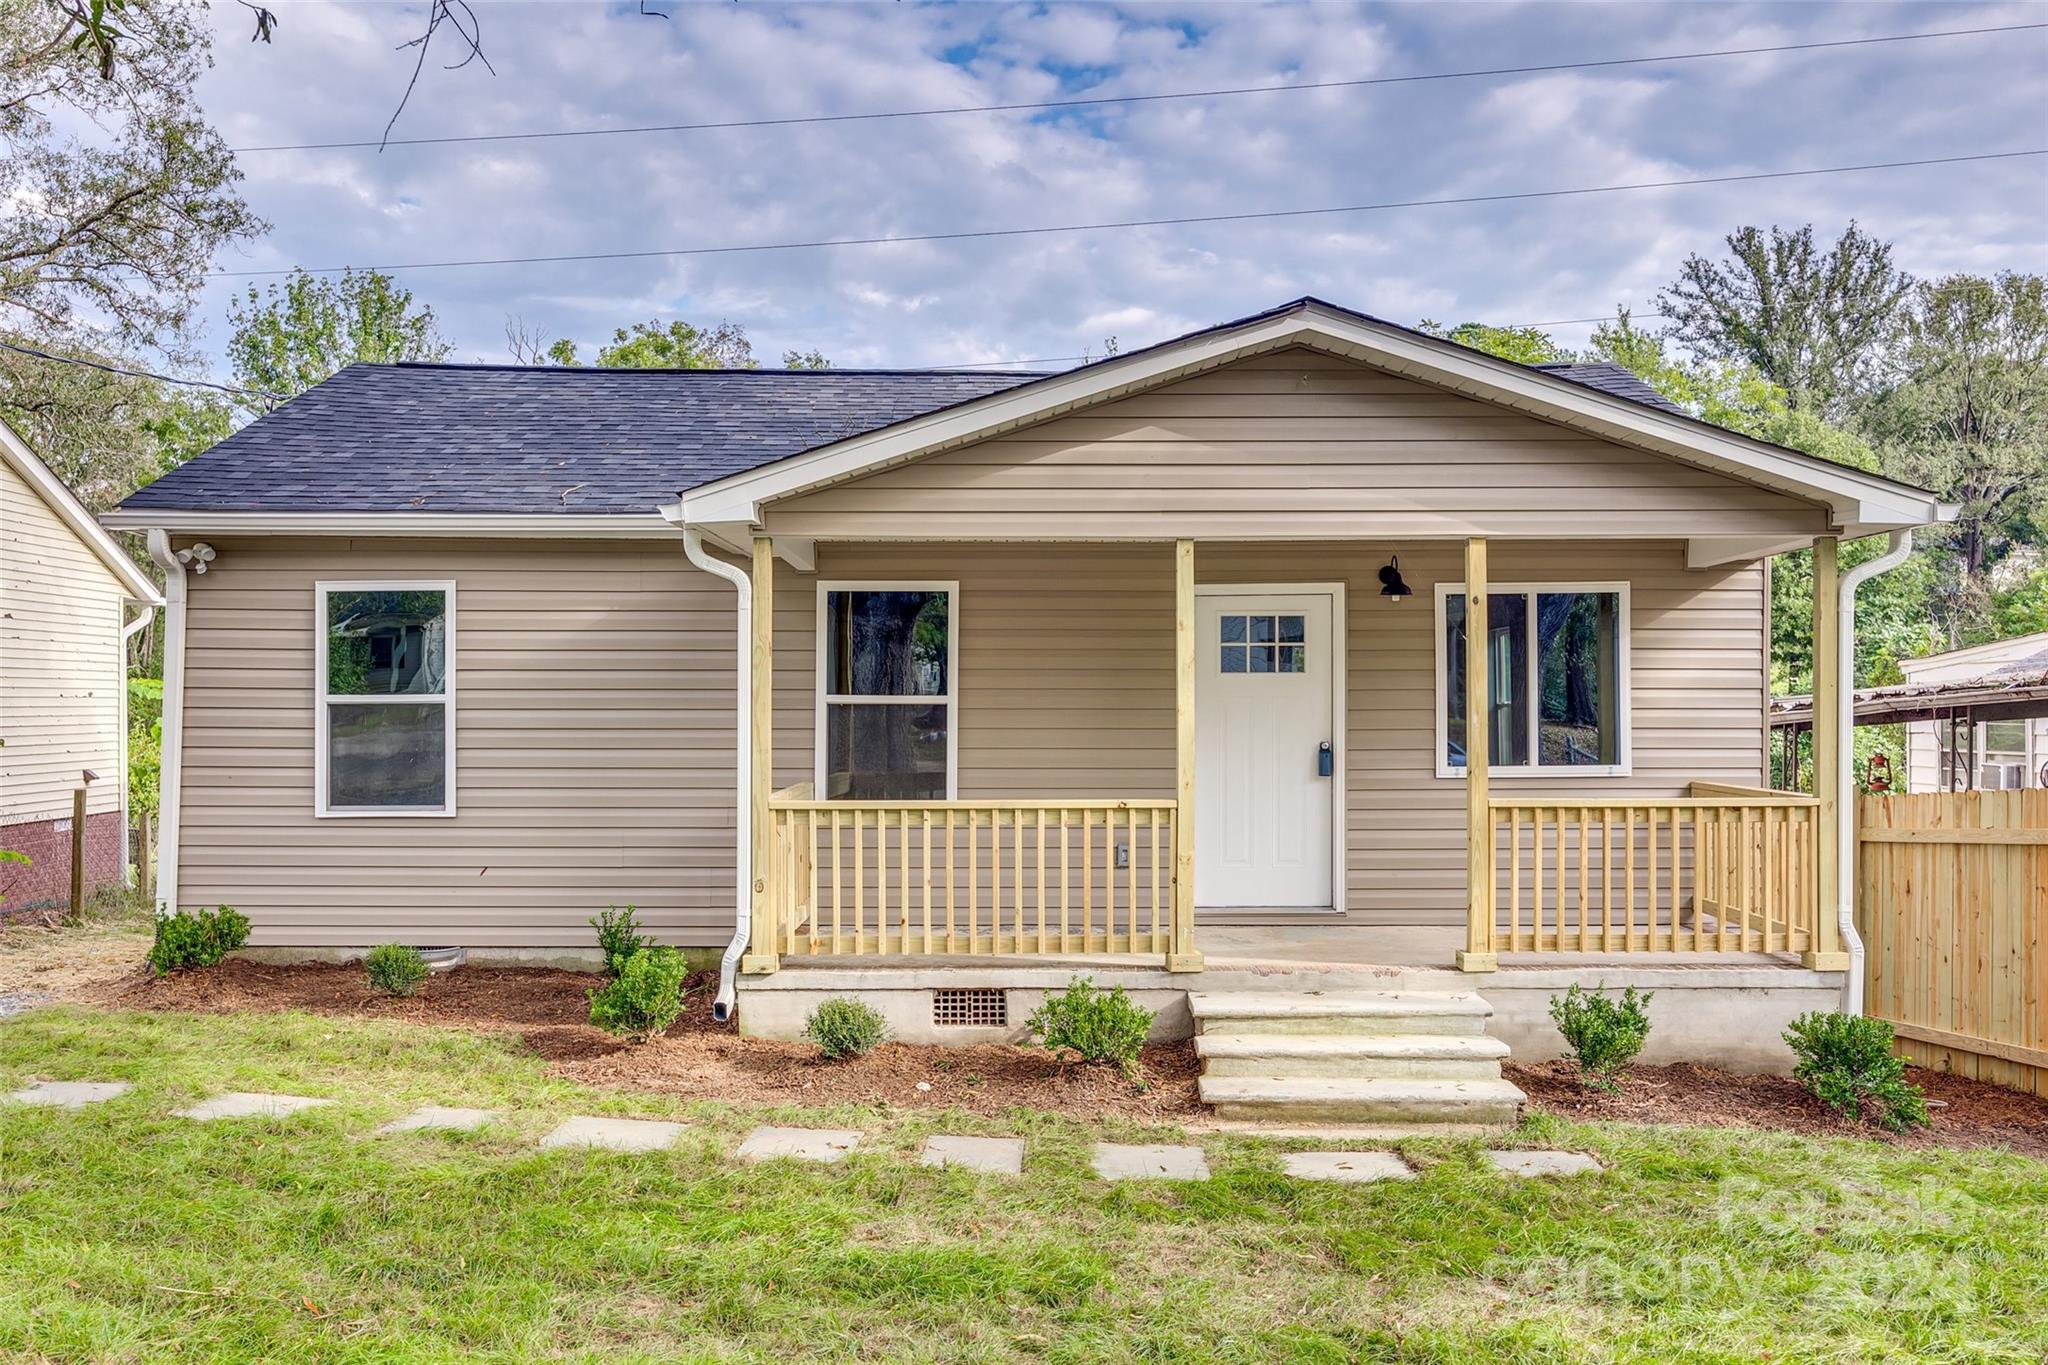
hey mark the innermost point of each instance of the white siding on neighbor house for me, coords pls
(594, 748)
(1294, 444)
(1925, 740)
(60, 663)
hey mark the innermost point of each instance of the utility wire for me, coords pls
(1094, 101)
(142, 374)
(1179, 221)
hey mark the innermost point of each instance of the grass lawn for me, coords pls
(127, 1234)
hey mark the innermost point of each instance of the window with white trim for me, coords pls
(886, 691)
(384, 657)
(1557, 670)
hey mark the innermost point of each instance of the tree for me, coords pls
(289, 337)
(1968, 416)
(115, 193)
(1526, 345)
(1815, 323)
(652, 346)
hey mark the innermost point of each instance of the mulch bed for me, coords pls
(698, 1057)
(1972, 1114)
(704, 1059)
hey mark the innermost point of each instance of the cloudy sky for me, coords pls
(332, 74)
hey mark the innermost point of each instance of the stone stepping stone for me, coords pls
(1349, 1168)
(439, 1118)
(992, 1156)
(68, 1094)
(1543, 1163)
(1115, 1161)
(617, 1135)
(245, 1104)
(801, 1144)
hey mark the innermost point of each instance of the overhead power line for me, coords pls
(1182, 220)
(1097, 101)
(127, 372)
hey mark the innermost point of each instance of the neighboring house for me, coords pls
(1159, 657)
(1965, 753)
(66, 597)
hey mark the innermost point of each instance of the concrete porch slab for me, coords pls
(1117, 1161)
(246, 1104)
(1348, 1168)
(799, 1144)
(991, 1156)
(1543, 1163)
(615, 1135)
(439, 1118)
(67, 1094)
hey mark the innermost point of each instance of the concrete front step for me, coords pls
(1370, 1013)
(1378, 1100)
(1422, 1056)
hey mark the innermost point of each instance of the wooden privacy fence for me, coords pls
(1952, 902)
(972, 877)
(1726, 869)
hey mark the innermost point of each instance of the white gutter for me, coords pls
(171, 760)
(128, 632)
(1845, 792)
(722, 1005)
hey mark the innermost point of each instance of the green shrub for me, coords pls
(845, 1028)
(1604, 1032)
(1102, 1026)
(646, 996)
(1845, 1061)
(618, 938)
(197, 938)
(395, 968)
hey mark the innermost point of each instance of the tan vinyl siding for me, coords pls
(60, 662)
(594, 742)
(1066, 680)
(1297, 445)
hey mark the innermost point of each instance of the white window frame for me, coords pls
(321, 699)
(1624, 742)
(951, 696)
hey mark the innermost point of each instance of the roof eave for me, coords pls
(543, 525)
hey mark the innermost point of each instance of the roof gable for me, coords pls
(69, 510)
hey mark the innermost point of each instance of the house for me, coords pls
(1969, 751)
(66, 597)
(942, 686)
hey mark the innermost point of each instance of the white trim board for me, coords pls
(1857, 503)
(72, 513)
(537, 526)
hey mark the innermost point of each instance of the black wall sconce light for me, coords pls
(1390, 580)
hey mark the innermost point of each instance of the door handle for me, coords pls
(1325, 760)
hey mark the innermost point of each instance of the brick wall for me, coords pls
(46, 880)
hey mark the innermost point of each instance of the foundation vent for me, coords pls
(970, 1007)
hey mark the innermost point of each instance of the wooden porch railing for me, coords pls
(1724, 869)
(1069, 877)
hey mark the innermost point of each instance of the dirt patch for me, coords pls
(40, 956)
(698, 1057)
(1973, 1114)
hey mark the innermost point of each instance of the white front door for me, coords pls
(1263, 715)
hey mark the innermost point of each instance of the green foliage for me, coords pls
(395, 968)
(288, 337)
(1525, 345)
(651, 345)
(618, 938)
(1604, 1032)
(348, 664)
(197, 938)
(1845, 1061)
(845, 1028)
(646, 996)
(1101, 1026)
(145, 744)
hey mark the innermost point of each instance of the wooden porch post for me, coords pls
(760, 956)
(1829, 744)
(1480, 953)
(1181, 954)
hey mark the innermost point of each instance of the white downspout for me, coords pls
(171, 761)
(723, 1003)
(1845, 723)
(128, 631)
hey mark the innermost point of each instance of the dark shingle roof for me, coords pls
(1612, 379)
(496, 438)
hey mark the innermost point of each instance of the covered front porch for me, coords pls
(1639, 861)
